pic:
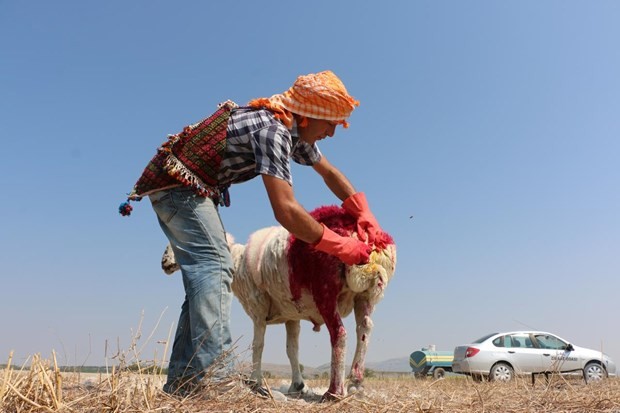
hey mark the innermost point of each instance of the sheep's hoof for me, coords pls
(330, 397)
(356, 388)
(298, 389)
(262, 391)
(256, 388)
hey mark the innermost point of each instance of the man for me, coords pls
(191, 174)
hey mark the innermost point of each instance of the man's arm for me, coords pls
(353, 202)
(292, 216)
(334, 179)
(289, 213)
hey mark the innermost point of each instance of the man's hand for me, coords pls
(367, 225)
(349, 250)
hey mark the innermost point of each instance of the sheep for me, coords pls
(282, 280)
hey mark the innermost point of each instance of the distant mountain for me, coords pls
(397, 365)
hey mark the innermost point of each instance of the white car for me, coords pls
(499, 356)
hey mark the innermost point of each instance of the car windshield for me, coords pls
(485, 338)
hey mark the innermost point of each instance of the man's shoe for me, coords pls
(181, 387)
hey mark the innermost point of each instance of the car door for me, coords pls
(526, 358)
(503, 350)
(556, 353)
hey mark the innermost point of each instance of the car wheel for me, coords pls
(593, 371)
(501, 372)
(439, 373)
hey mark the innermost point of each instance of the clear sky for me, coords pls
(487, 142)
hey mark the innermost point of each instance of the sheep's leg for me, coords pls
(363, 309)
(258, 343)
(292, 351)
(338, 336)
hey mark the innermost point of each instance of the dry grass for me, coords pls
(43, 388)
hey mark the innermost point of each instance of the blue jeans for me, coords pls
(195, 231)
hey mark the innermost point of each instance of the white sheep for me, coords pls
(281, 280)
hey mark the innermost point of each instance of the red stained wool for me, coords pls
(357, 372)
(323, 277)
(319, 273)
(315, 271)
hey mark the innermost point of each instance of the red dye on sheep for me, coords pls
(317, 272)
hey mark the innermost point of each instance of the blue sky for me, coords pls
(486, 142)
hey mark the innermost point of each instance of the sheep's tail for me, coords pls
(169, 263)
(230, 239)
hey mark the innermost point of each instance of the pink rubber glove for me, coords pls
(357, 206)
(349, 250)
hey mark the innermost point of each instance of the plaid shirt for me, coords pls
(257, 143)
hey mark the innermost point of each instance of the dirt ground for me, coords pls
(47, 391)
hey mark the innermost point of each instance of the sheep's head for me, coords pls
(374, 276)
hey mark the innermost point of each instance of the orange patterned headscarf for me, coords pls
(319, 95)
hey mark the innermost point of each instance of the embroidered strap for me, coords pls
(191, 158)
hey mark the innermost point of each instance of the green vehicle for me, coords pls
(427, 362)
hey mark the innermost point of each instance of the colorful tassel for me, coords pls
(125, 209)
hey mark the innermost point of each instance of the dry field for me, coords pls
(43, 388)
